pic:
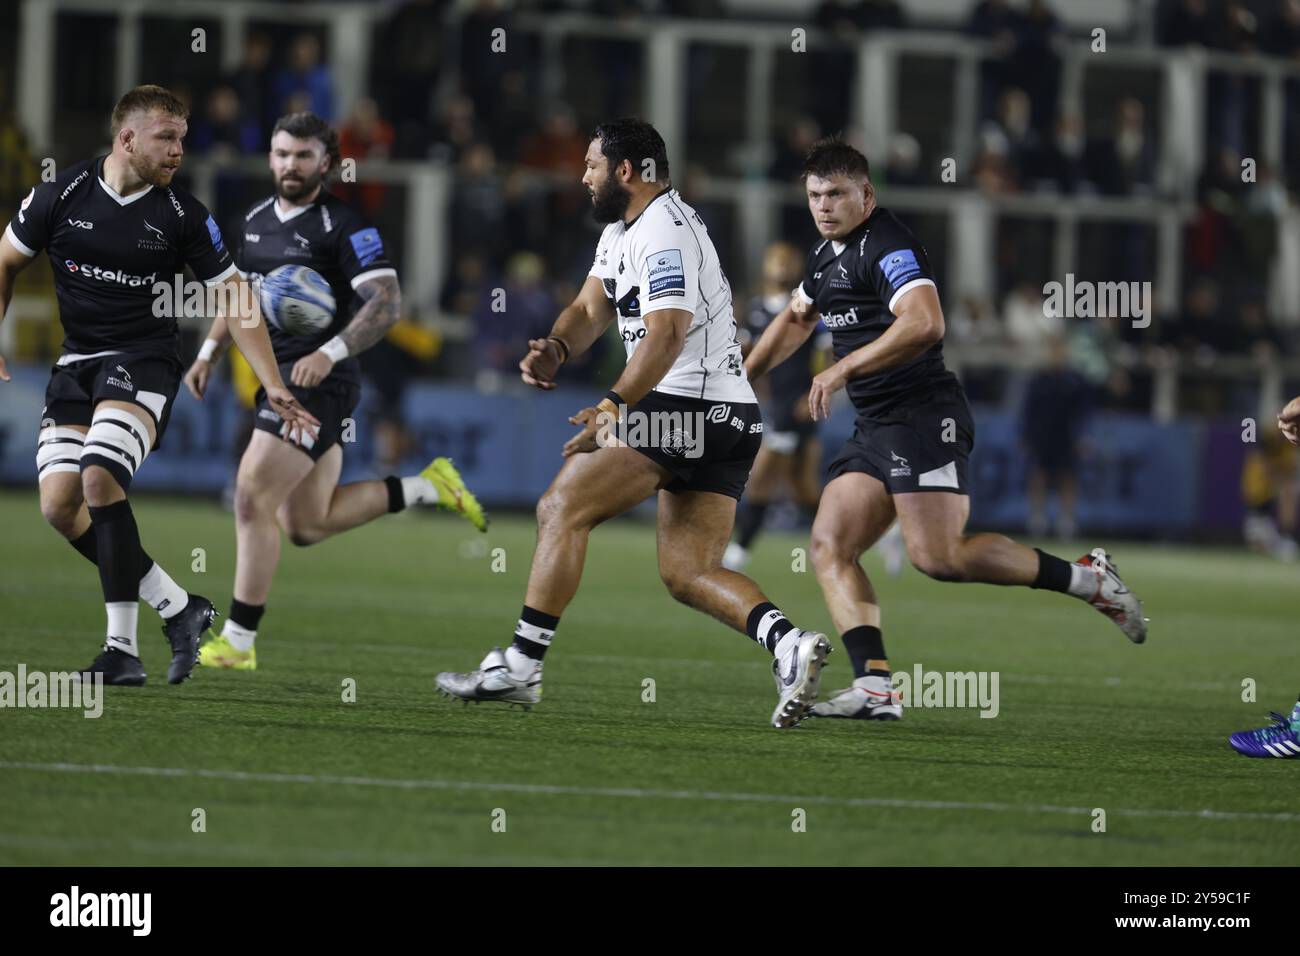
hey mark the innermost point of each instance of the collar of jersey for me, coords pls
(297, 210)
(114, 194)
(839, 245)
(654, 199)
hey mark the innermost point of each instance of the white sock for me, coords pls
(122, 619)
(160, 592)
(521, 665)
(241, 638)
(418, 490)
(1083, 580)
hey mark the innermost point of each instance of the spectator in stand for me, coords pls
(1184, 23)
(1051, 424)
(513, 112)
(791, 151)
(305, 80)
(1011, 133)
(1029, 324)
(365, 135)
(558, 147)
(481, 70)
(1058, 166)
(252, 85)
(903, 167)
(1123, 163)
(456, 131)
(1281, 34)
(1206, 330)
(225, 130)
(997, 22)
(1036, 63)
(865, 15)
(505, 318)
(407, 71)
(478, 206)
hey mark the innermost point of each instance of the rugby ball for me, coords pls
(297, 300)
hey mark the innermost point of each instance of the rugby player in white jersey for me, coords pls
(657, 273)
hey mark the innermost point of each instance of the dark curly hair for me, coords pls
(634, 140)
(833, 157)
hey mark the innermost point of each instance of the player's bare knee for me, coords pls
(303, 537)
(61, 512)
(301, 531)
(249, 506)
(937, 564)
(556, 511)
(828, 551)
(99, 487)
(680, 584)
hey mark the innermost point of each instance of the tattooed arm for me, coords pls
(376, 316)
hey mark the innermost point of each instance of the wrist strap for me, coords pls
(336, 349)
(208, 349)
(615, 397)
(564, 346)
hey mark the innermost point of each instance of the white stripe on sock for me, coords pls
(418, 490)
(1083, 580)
(122, 619)
(160, 592)
(241, 638)
(766, 623)
(531, 632)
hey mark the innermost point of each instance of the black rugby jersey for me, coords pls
(854, 289)
(329, 236)
(108, 251)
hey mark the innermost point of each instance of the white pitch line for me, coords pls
(627, 792)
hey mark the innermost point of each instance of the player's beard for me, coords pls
(610, 201)
(297, 189)
(149, 171)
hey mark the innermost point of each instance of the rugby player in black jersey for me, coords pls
(292, 482)
(114, 227)
(870, 282)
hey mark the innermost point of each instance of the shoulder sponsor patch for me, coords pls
(215, 235)
(666, 273)
(900, 266)
(367, 245)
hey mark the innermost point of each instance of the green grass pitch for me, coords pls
(286, 772)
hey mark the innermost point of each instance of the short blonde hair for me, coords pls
(147, 97)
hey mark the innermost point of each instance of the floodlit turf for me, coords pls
(286, 772)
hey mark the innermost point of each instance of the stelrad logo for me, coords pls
(114, 276)
(76, 909)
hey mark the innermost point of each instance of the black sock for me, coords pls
(767, 625)
(864, 643)
(396, 497)
(1053, 573)
(749, 522)
(533, 632)
(247, 616)
(118, 553)
(88, 547)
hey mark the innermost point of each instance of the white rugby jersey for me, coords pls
(664, 259)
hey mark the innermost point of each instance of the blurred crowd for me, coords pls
(517, 156)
